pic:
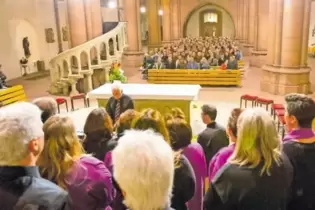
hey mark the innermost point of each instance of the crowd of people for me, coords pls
(195, 53)
(147, 161)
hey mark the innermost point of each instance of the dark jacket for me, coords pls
(125, 103)
(23, 188)
(169, 65)
(98, 143)
(245, 188)
(184, 184)
(212, 139)
(232, 65)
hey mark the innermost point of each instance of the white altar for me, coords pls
(157, 96)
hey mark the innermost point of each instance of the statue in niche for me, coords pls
(65, 33)
(26, 47)
(313, 31)
(214, 30)
(50, 35)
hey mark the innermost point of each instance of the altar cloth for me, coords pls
(150, 91)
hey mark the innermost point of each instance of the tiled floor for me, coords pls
(224, 99)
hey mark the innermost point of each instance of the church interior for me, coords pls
(73, 43)
(217, 85)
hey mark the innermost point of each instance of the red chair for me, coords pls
(246, 98)
(79, 97)
(264, 102)
(60, 101)
(275, 107)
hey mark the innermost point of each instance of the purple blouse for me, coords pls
(89, 184)
(194, 153)
(219, 160)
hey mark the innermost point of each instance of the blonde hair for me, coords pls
(150, 119)
(62, 149)
(257, 141)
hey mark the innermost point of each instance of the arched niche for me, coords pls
(194, 20)
(65, 69)
(94, 56)
(74, 65)
(117, 42)
(84, 60)
(111, 47)
(103, 51)
(59, 72)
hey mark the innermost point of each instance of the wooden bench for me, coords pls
(12, 95)
(192, 76)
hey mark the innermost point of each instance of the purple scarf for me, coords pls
(303, 133)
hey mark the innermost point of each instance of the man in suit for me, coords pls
(214, 137)
(118, 103)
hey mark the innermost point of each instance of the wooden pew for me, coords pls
(192, 76)
(12, 95)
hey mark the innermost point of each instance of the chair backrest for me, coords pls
(12, 95)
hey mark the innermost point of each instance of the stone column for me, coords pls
(97, 20)
(238, 21)
(259, 53)
(287, 70)
(133, 55)
(252, 14)
(93, 18)
(166, 22)
(77, 24)
(89, 82)
(245, 41)
(175, 32)
(154, 25)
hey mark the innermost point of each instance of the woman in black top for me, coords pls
(257, 176)
(184, 177)
(98, 129)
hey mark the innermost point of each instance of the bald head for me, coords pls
(47, 105)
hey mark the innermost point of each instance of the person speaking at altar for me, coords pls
(118, 103)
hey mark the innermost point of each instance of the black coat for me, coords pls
(23, 188)
(212, 139)
(125, 103)
(169, 65)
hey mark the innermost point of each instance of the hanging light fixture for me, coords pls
(161, 12)
(143, 9)
(112, 4)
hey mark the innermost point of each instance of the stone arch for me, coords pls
(65, 69)
(111, 47)
(59, 72)
(205, 5)
(117, 42)
(103, 51)
(74, 65)
(84, 60)
(94, 56)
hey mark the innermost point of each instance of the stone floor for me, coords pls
(224, 99)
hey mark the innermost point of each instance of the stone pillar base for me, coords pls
(165, 43)
(153, 46)
(284, 80)
(258, 58)
(131, 62)
(247, 49)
